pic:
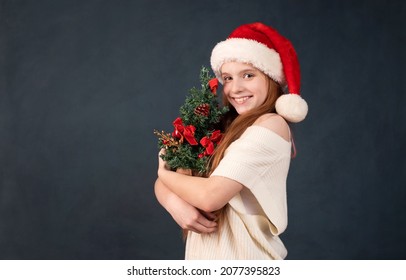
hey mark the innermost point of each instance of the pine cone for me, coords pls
(202, 110)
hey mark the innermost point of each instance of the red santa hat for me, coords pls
(264, 48)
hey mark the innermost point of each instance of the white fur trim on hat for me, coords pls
(248, 51)
(292, 107)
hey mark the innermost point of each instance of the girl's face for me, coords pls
(245, 87)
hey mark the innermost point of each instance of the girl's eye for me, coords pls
(248, 75)
(226, 78)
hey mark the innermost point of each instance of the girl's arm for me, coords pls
(208, 194)
(184, 214)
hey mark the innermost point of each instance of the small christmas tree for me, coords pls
(195, 134)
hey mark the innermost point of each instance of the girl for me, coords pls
(239, 211)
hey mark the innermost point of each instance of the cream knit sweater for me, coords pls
(255, 217)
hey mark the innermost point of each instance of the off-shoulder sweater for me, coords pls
(257, 215)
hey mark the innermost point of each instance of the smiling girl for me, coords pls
(240, 209)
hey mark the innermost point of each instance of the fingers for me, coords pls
(161, 152)
(201, 228)
(161, 162)
(200, 224)
(209, 215)
(206, 222)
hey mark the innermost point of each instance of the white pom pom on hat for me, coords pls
(264, 48)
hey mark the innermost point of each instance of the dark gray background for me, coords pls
(83, 84)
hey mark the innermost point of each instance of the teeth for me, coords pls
(241, 99)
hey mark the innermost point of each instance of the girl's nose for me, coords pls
(235, 86)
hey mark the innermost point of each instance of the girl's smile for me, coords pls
(241, 100)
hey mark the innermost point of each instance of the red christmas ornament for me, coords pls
(213, 84)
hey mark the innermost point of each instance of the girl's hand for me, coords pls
(161, 163)
(185, 215)
(190, 218)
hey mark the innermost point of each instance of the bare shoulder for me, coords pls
(275, 123)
